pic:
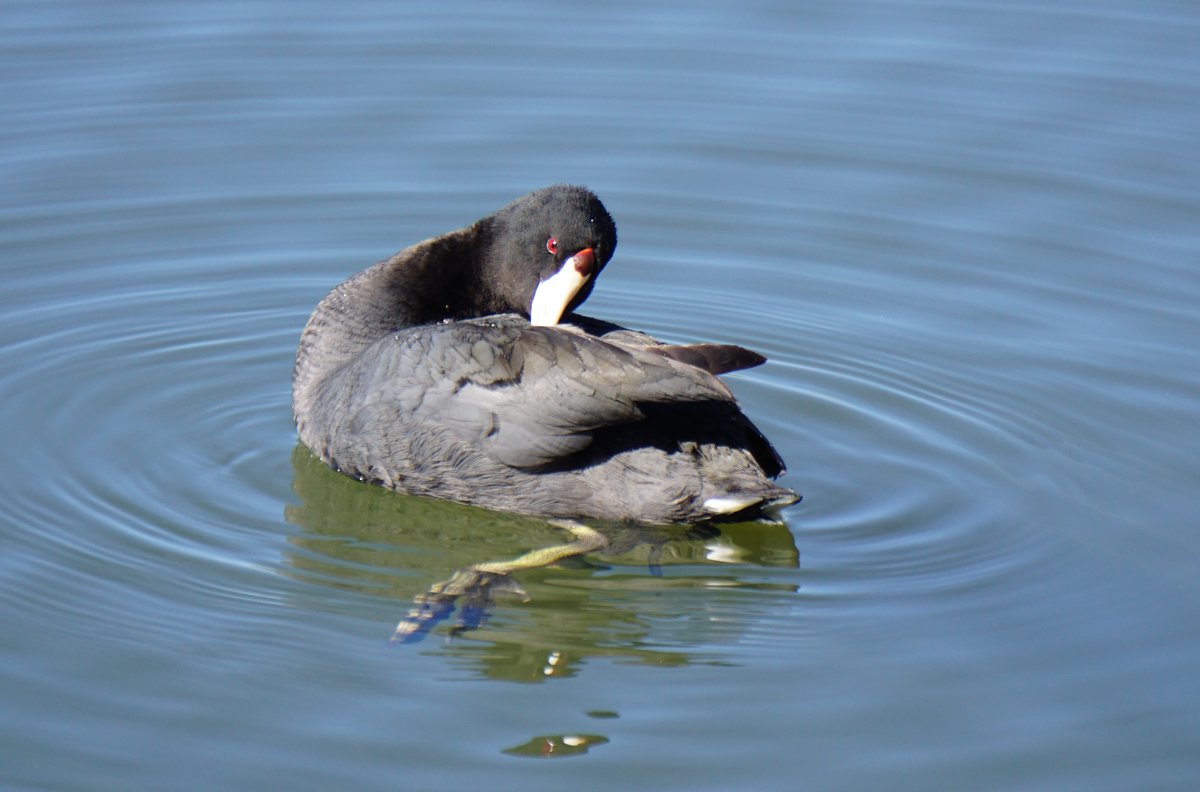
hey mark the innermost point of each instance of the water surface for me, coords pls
(965, 236)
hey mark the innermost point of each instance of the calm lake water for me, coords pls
(966, 235)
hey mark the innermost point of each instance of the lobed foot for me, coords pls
(475, 586)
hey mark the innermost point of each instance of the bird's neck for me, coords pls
(415, 287)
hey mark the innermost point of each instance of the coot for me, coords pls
(457, 369)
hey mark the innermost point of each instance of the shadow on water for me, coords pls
(652, 596)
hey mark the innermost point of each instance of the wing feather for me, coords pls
(528, 396)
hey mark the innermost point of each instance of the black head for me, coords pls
(532, 238)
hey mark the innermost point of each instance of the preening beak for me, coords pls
(554, 294)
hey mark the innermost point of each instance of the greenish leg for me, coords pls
(477, 584)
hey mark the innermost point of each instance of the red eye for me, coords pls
(551, 246)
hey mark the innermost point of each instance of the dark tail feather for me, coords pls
(713, 358)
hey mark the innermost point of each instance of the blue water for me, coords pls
(965, 235)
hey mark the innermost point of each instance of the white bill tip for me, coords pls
(552, 295)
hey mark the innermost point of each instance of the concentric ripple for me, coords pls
(150, 393)
(154, 401)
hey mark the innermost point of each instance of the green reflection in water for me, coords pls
(613, 603)
(556, 746)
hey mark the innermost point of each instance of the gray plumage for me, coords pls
(423, 374)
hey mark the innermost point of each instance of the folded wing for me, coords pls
(530, 396)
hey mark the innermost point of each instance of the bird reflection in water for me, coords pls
(606, 601)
